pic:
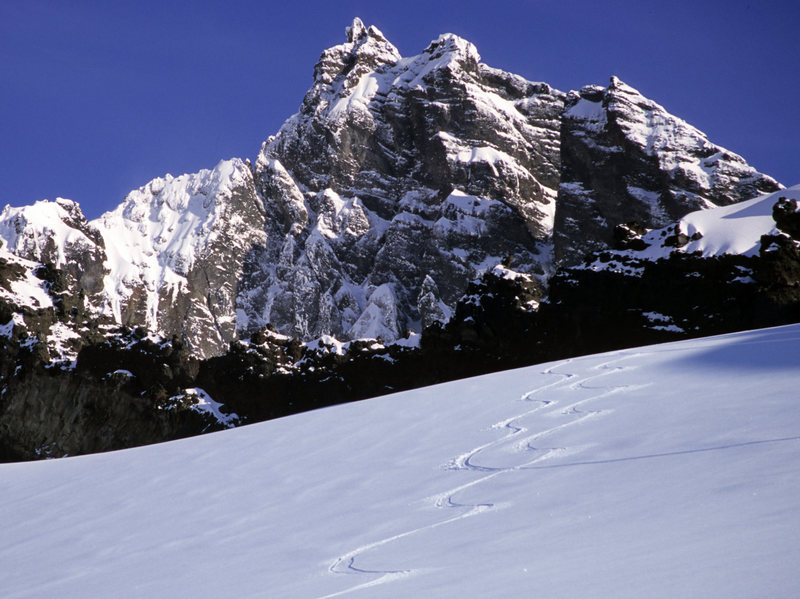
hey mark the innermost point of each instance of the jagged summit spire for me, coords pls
(356, 30)
(366, 48)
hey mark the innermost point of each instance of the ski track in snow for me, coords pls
(522, 443)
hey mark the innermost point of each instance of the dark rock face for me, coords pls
(48, 408)
(396, 172)
(786, 214)
(51, 414)
(623, 158)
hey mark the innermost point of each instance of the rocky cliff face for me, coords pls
(372, 213)
(46, 408)
(625, 158)
(48, 414)
(396, 172)
(713, 271)
(175, 254)
(398, 182)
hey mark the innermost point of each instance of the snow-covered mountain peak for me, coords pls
(648, 123)
(397, 182)
(673, 142)
(615, 144)
(455, 47)
(615, 83)
(46, 231)
(167, 244)
(356, 30)
(440, 167)
(365, 49)
(407, 137)
(167, 220)
(196, 192)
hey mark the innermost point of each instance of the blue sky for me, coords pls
(97, 98)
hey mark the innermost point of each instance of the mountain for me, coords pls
(398, 182)
(169, 258)
(659, 471)
(418, 220)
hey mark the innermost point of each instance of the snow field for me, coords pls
(665, 471)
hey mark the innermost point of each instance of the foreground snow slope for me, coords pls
(666, 471)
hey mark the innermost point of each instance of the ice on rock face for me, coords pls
(379, 319)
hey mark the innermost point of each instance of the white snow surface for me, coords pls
(661, 472)
(155, 235)
(586, 110)
(734, 229)
(206, 404)
(27, 291)
(30, 230)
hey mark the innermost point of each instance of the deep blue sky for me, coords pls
(97, 98)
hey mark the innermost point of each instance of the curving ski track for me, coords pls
(346, 564)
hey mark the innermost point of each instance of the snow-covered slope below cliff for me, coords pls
(660, 471)
(735, 229)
